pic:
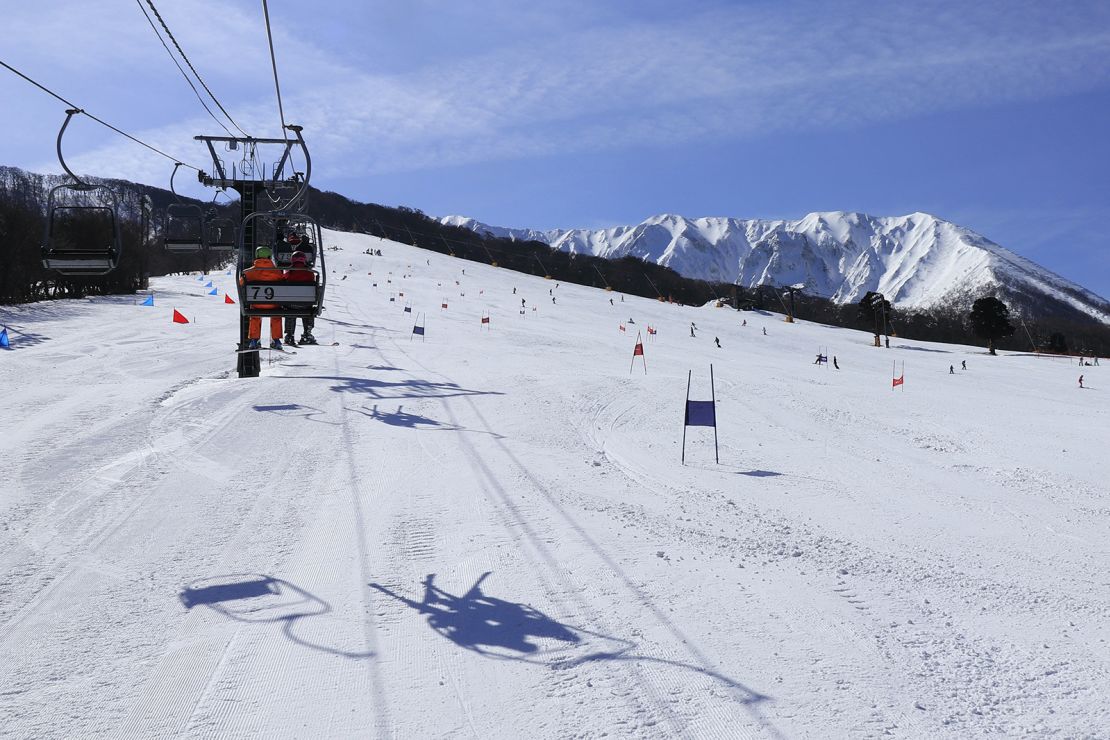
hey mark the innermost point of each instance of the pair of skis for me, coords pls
(283, 350)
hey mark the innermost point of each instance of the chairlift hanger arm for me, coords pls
(70, 113)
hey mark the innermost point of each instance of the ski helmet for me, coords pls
(298, 258)
(263, 253)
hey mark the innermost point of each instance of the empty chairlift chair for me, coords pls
(183, 228)
(82, 224)
(221, 234)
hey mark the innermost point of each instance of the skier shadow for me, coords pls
(250, 598)
(384, 389)
(505, 630)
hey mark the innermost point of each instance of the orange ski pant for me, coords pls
(254, 330)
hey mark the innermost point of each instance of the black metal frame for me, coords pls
(264, 292)
(70, 261)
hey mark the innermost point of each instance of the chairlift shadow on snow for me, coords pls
(402, 418)
(250, 598)
(382, 389)
(506, 630)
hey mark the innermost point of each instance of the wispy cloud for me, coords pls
(726, 72)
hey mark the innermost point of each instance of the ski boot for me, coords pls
(254, 344)
(275, 344)
(307, 338)
(290, 341)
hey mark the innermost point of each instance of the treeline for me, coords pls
(23, 278)
(23, 214)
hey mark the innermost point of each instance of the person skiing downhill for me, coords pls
(263, 270)
(963, 364)
(1080, 381)
(718, 341)
(835, 364)
(299, 272)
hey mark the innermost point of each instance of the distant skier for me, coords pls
(718, 341)
(888, 342)
(834, 363)
(514, 291)
(1080, 381)
(765, 331)
(622, 299)
(963, 364)
(951, 369)
(818, 360)
(692, 327)
(611, 302)
(522, 303)
(552, 299)
(744, 322)
(631, 321)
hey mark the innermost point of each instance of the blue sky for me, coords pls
(576, 113)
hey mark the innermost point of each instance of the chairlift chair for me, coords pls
(265, 298)
(82, 225)
(183, 228)
(221, 233)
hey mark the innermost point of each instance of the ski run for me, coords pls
(486, 531)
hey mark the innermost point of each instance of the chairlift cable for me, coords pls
(196, 74)
(182, 71)
(273, 63)
(101, 121)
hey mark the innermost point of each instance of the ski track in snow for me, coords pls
(489, 534)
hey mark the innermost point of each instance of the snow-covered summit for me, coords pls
(919, 261)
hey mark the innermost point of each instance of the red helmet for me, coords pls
(293, 238)
(298, 258)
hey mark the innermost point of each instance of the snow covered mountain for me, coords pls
(918, 261)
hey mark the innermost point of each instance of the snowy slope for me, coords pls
(489, 534)
(918, 261)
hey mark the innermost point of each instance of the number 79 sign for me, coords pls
(281, 293)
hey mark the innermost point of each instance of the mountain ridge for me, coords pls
(918, 261)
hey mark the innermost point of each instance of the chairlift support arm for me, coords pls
(70, 113)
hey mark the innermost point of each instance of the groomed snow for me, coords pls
(489, 534)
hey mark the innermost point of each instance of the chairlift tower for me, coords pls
(791, 290)
(257, 194)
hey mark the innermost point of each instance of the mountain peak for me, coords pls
(919, 261)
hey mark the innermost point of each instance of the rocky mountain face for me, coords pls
(919, 262)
